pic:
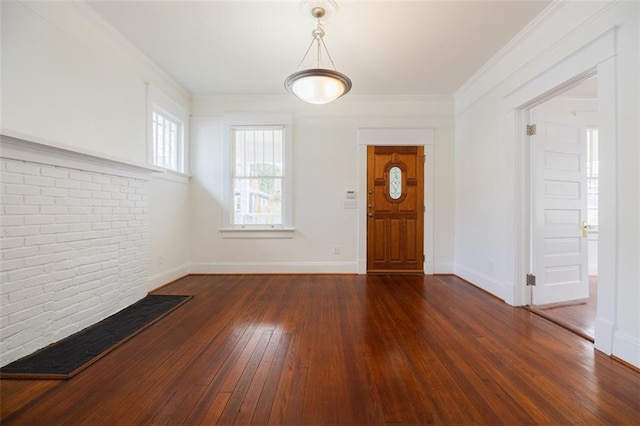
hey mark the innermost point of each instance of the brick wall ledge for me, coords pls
(22, 147)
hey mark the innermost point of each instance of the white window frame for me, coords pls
(180, 140)
(284, 230)
(160, 102)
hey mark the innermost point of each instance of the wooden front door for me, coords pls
(395, 209)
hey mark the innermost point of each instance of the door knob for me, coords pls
(585, 228)
(370, 214)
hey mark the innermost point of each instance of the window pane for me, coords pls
(278, 156)
(395, 183)
(268, 148)
(258, 175)
(259, 159)
(239, 153)
(167, 142)
(258, 201)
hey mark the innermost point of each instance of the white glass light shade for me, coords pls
(318, 85)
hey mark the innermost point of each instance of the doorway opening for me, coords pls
(563, 180)
(400, 137)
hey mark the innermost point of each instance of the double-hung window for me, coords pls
(259, 185)
(167, 148)
(258, 175)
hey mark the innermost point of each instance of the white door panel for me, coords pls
(559, 208)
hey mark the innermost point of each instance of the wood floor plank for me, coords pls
(338, 349)
(15, 394)
(215, 409)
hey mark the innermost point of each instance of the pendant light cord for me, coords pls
(318, 37)
(328, 54)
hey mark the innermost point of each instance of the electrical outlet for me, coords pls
(336, 249)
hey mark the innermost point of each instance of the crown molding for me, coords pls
(463, 105)
(532, 26)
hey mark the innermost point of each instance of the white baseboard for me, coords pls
(627, 348)
(274, 268)
(603, 338)
(165, 277)
(482, 281)
(443, 268)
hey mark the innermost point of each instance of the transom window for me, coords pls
(167, 145)
(258, 175)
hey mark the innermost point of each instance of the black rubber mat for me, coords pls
(63, 359)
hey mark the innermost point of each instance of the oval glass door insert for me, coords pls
(395, 183)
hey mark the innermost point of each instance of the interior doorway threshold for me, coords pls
(572, 328)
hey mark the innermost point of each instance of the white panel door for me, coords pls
(559, 213)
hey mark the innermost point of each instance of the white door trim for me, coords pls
(399, 137)
(595, 58)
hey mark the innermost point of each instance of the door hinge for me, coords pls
(531, 279)
(424, 158)
(423, 258)
(531, 129)
(424, 209)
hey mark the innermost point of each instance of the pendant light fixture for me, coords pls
(318, 85)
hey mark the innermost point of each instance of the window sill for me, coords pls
(256, 233)
(172, 176)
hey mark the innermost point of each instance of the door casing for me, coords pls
(596, 58)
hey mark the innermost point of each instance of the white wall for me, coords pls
(485, 157)
(67, 78)
(169, 204)
(325, 166)
(169, 228)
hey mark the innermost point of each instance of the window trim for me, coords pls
(286, 229)
(180, 148)
(157, 100)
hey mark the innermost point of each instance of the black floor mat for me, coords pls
(63, 359)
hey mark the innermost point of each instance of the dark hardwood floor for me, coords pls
(338, 349)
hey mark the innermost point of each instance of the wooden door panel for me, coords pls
(395, 218)
(411, 253)
(379, 244)
(395, 240)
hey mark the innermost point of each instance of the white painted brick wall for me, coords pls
(73, 250)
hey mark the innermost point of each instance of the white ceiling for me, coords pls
(386, 47)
